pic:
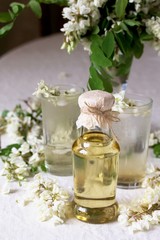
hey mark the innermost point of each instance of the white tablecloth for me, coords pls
(20, 71)
(21, 223)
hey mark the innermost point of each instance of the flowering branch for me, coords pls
(7, 19)
(114, 32)
(53, 202)
(143, 213)
(25, 156)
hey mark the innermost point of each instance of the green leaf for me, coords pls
(59, 2)
(137, 47)
(95, 30)
(124, 67)
(124, 41)
(13, 17)
(121, 41)
(34, 169)
(99, 59)
(38, 112)
(117, 28)
(126, 29)
(4, 113)
(17, 7)
(43, 167)
(6, 28)
(132, 23)
(97, 55)
(146, 37)
(107, 83)
(96, 41)
(36, 8)
(95, 82)
(108, 44)
(157, 13)
(6, 151)
(5, 17)
(120, 8)
(156, 150)
(98, 81)
(104, 23)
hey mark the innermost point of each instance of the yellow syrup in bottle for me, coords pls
(95, 168)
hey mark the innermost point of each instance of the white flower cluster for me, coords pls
(19, 123)
(16, 124)
(143, 5)
(153, 178)
(143, 213)
(154, 138)
(21, 162)
(82, 15)
(119, 104)
(25, 155)
(153, 27)
(13, 125)
(45, 91)
(52, 201)
(137, 4)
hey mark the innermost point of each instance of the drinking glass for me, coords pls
(132, 132)
(59, 115)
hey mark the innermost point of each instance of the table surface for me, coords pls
(20, 71)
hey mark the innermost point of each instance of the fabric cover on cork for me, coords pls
(96, 110)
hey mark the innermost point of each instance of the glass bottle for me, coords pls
(95, 166)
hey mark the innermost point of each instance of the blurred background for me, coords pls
(28, 27)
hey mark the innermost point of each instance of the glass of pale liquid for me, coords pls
(132, 132)
(59, 115)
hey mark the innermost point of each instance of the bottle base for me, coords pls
(96, 215)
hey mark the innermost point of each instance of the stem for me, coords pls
(138, 215)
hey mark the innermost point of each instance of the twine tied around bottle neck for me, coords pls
(103, 117)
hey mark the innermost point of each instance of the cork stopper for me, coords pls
(96, 110)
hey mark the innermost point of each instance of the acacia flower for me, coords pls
(51, 200)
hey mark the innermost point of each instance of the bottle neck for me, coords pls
(107, 131)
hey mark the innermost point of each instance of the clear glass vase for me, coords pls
(114, 78)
